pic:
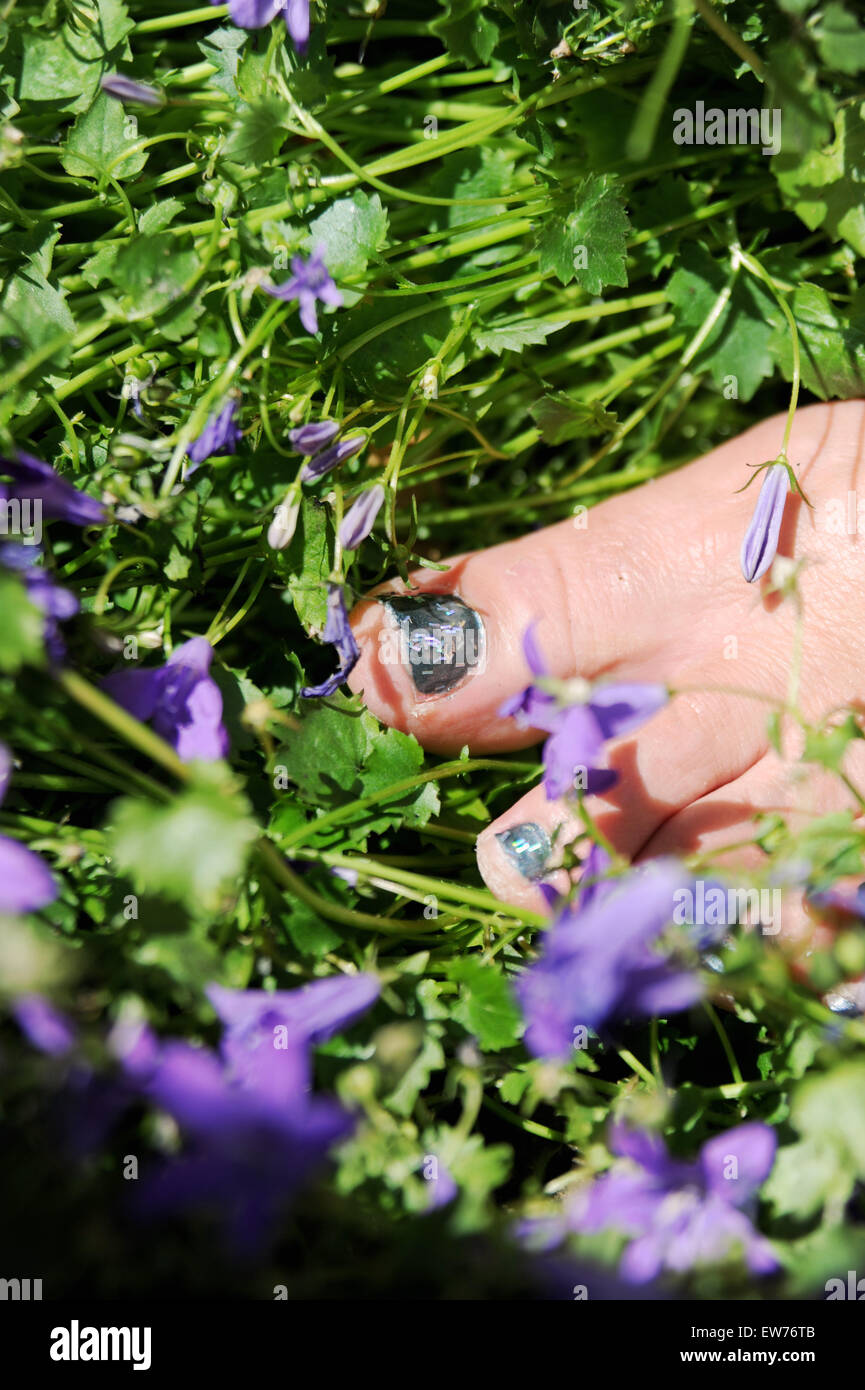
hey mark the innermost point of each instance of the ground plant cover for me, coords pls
(299, 297)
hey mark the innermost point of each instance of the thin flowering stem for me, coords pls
(756, 269)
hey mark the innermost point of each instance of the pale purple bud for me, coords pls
(114, 84)
(329, 458)
(761, 538)
(360, 519)
(316, 435)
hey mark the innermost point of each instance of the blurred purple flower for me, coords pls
(254, 14)
(578, 731)
(43, 1025)
(54, 602)
(310, 281)
(114, 84)
(679, 1216)
(37, 482)
(360, 518)
(338, 632)
(598, 965)
(26, 882)
(219, 436)
(253, 1131)
(308, 439)
(181, 698)
(761, 538)
(328, 459)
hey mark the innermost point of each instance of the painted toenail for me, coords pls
(441, 639)
(527, 846)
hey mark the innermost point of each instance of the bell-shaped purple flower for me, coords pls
(360, 518)
(338, 632)
(26, 882)
(37, 482)
(578, 731)
(678, 1216)
(114, 84)
(761, 538)
(220, 435)
(310, 282)
(180, 698)
(599, 964)
(254, 14)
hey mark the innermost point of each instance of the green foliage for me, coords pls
(530, 320)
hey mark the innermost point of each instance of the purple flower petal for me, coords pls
(621, 708)
(181, 699)
(114, 84)
(360, 518)
(338, 632)
(308, 439)
(311, 281)
(761, 538)
(37, 481)
(43, 1025)
(297, 23)
(328, 459)
(26, 883)
(735, 1164)
(220, 435)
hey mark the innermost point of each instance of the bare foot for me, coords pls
(650, 590)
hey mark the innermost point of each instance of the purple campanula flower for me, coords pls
(598, 964)
(36, 481)
(328, 459)
(254, 14)
(360, 518)
(761, 538)
(219, 436)
(310, 281)
(181, 699)
(26, 882)
(679, 1216)
(308, 439)
(578, 731)
(252, 1128)
(54, 602)
(114, 84)
(338, 632)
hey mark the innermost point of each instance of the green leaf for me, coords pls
(486, 1007)
(191, 850)
(258, 133)
(561, 416)
(840, 39)
(501, 337)
(468, 31)
(832, 345)
(151, 274)
(34, 316)
(96, 143)
(20, 626)
(585, 236)
(738, 345)
(352, 232)
(308, 559)
(64, 68)
(222, 49)
(825, 187)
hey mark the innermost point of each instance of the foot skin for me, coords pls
(651, 590)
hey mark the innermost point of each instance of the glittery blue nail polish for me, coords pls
(441, 639)
(527, 846)
(843, 1005)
